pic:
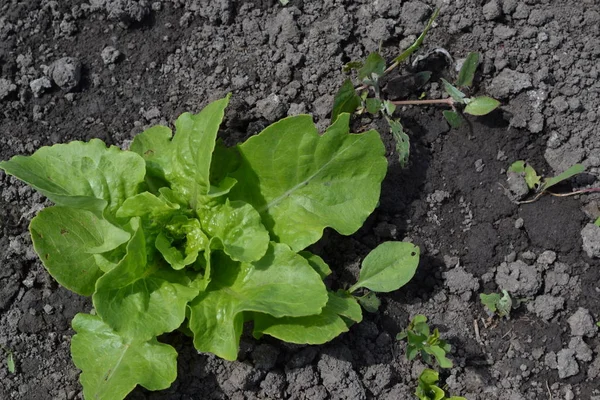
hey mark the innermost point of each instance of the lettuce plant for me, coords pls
(181, 232)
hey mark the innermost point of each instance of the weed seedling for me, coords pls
(540, 186)
(366, 96)
(420, 340)
(427, 388)
(499, 304)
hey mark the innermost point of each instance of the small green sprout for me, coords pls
(428, 389)
(421, 341)
(540, 186)
(597, 222)
(497, 303)
(10, 360)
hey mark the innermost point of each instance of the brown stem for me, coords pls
(449, 101)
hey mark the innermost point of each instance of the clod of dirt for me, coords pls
(66, 72)
(413, 13)
(123, 10)
(517, 186)
(582, 350)
(6, 88)
(509, 82)
(545, 306)
(566, 364)
(518, 278)
(546, 258)
(338, 376)
(265, 356)
(590, 235)
(271, 108)
(39, 86)
(582, 323)
(377, 377)
(110, 55)
(492, 10)
(459, 281)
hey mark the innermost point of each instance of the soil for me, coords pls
(108, 69)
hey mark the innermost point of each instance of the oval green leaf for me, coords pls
(467, 72)
(388, 267)
(481, 105)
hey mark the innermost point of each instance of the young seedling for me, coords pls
(10, 360)
(181, 232)
(420, 340)
(427, 388)
(367, 96)
(540, 186)
(499, 304)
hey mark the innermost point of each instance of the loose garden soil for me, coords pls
(133, 64)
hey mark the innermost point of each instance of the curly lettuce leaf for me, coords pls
(301, 182)
(338, 315)
(184, 161)
(282, 283)
(112, 365)
(81, 175)
(184, 231)
(238, 226)
(67, 241)
(141, 299)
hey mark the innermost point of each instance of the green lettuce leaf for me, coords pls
(317, 263)
(184, 231)
(81, 175)
(338, 315)
(388, 267)
(238, 226)
(141, 299)
(112, 365)
(185, 161)
(281, 284)
(301, 182)
(67, 240)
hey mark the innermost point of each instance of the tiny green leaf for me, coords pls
(345, 101)
(456, 94)
(402, 141)
(373, 105)
(373, 68)
(481, 105)
(490, 300)
(467, 72)
(453, 118)
(531, 177)
(369, 302)
(417, 43)
(571, 171)
(352, 65)
(388, 267)
(10, 362)
(597, 222)
(389, 107)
